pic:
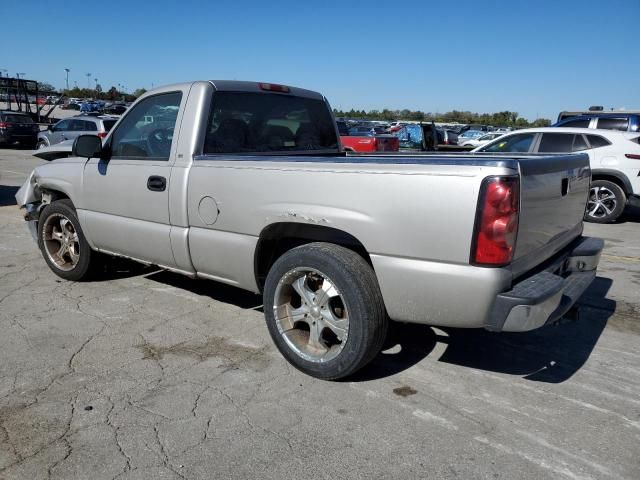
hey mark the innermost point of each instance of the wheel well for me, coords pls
(611, 178)
(55, 194)
(278, 238)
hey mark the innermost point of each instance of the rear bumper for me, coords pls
(10, 137)
(547, 296)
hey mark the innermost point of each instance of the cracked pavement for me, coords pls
(147, 374)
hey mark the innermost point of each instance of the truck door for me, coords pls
(125, 206)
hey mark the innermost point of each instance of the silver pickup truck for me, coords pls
(246, 184)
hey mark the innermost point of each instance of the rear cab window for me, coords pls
(255, 123)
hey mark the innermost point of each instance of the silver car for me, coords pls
(70, 128)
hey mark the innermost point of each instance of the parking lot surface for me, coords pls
(147, 374)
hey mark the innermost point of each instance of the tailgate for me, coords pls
(553, 197)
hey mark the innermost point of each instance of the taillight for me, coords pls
(496, 225)
(4, 124)
(634, 156)
(103, 134)
(274, 87)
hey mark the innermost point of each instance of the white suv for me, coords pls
(614, 158)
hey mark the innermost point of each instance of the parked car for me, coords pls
(478, 141)
(16, 127)
(252, 190)
(475, 127)
(425, 137)
(447, 137)
(343, 128)
(362, 131)
(364, 144)
(71, 106)
(469, 135)
(73, 127)
(603, 121)
(115, 110)
(614, 157)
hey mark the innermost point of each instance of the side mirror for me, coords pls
(87, 146)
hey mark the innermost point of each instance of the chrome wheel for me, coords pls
(310, 314)
(602, 202)
(61, 243)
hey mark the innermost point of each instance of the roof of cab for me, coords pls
(254, 87)
(236, 86)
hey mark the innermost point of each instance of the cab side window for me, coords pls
(556, 143)
(62, 126)
(146, 132)
(597, 141)
(519, 143)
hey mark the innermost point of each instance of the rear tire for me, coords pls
(338, 323)
(606, 202)
(63, 244)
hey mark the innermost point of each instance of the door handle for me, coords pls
(156, 183)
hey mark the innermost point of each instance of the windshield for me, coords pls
(242, 122)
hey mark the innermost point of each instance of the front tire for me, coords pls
(606, 202)
(324, 310)
(63, 244)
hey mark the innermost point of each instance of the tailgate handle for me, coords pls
(565, 186)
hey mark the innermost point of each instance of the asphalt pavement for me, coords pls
(150, 375)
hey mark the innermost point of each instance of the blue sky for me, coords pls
(533, 57)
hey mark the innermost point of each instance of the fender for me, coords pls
(606, 172)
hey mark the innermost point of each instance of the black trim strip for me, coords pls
(376, 160)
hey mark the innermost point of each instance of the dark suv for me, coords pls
(604, 121)
(16, 127)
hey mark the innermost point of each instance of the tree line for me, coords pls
(498, 119)
(96, 93)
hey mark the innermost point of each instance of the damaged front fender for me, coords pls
(28, 192)
(29, 197)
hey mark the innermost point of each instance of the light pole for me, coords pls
(20, 73)
(67, 70)
(88, 80)
(3, 70)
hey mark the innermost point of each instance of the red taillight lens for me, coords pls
(273, 87)
(4, 124)
(103, 134)
(632, 155)
(497, 221)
